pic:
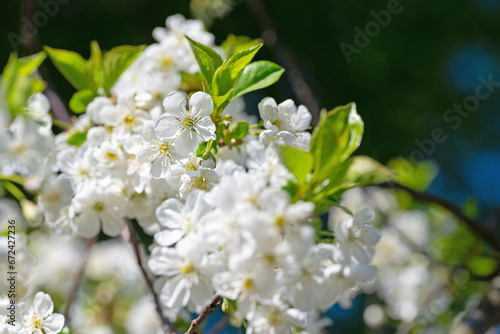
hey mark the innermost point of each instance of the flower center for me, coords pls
(187, 268)
(166, 61)
(111, 156)
(19, 148)
(98, 206)
(129, 121)
(248, 284)
(189, 122)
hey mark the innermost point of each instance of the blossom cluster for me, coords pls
(222, 220)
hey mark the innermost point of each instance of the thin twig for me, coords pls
(77, 278)
(295, 77)
(138, 247)
(216, 301)
(482, 230)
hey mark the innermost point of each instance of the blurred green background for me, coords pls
(412, 71)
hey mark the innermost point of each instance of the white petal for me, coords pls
(186, 144)
(175, 104)
(157, 168)
(148, 131)
(112, 224)
(167, 126)
(268, 109)
(87, 228)
(201, 104)
(168, 237)
(301, 119)
(43, 303)
(54, 323)
(201, 294)
(206, 129)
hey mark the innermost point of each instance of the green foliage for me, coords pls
(255, 76)
(77, 138)
(95, 76)
(72, 66)
(336, 137)
(234, 44)
(80, 100)
(482, 266)
(299, 162)
(291, 188)
(413, 175)
(226, 80)
(208, 60)
(238, 130)
(365, 171)
(65, 330)
(18, 81)
(228, 305)
(116, 61)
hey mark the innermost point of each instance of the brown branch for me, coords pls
(216, 301)
(77, 278)
(138, 248)
(295, 77)
(485, 315)
(482, 230)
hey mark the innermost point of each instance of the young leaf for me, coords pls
(94, 66)
(336, 137)
(257, 75)
(116, 61)
(207, 59)
(299, 162)
(27, 65)
(80, 100)
(77, 138)
(72, 66)
(367, 171)
(228, 74)
(221, 99)
(221, 82)
(237, 63)
(234, 44)
(238, 130)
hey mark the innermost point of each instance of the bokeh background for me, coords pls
(427, 59)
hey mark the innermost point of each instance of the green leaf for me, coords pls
(234, 44)
(220, 100)
(80, 100)
(221, 82)
(418, 176)
(366, 171)
(257, 75)
(482, 266)
(94, 67)
(65, 330)
(238, 130)
(18, 83)
(336, 137)
(77, 138)
(116, 61)
(27, 65)
(72, 66)
(299, 162)
(226, 76)
(291, 188)
(237, 63)
(207, 59)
